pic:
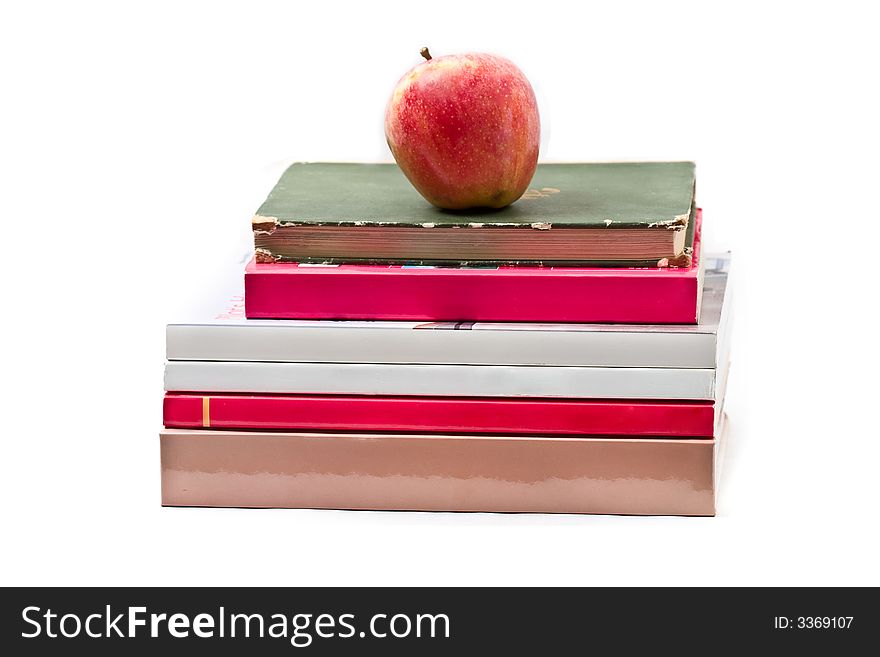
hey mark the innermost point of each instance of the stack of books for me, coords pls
(566, 354)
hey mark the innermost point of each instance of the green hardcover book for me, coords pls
(613, 214)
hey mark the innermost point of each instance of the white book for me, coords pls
(220, 332)
(445, 380)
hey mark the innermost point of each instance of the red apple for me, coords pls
(464, 129)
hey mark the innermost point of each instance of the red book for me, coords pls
(441, 415)
(660, 295)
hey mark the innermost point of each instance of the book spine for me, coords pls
(278, 291)
(401, 414)
(383, 471)
(445, 344)
(441, 380)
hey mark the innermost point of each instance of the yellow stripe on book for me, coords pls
(206, 411)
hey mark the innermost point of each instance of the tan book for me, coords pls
(648, 476)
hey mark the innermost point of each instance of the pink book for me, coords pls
(659, 295)
(385, 471)
(440, 415)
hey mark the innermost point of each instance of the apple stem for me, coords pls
(424, 53)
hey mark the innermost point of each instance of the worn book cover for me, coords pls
(604, 214)
(522, 293)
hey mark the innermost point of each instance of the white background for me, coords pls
(137, 141)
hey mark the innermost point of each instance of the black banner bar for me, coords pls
(410, 621)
